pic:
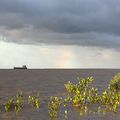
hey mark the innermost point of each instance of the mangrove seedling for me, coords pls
(54, 106)
(19, 103)
(34, 101)
(115, 83)
(9, 104)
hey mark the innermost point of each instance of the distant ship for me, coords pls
(23, 67)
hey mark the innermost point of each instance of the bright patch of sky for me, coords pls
(48, 56)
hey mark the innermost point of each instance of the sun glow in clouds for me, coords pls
(46, 56)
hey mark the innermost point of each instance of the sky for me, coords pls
(60, 33)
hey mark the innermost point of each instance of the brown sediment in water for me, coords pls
(48, 82)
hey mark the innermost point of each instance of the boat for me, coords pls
(23, 67)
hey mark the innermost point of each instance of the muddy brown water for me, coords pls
(50, 82)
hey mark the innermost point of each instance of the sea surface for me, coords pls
(46, 83)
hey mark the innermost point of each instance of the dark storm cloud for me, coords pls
(79, 22)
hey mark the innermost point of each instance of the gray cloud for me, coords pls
(78, 22)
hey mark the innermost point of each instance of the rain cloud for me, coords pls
(61, 22)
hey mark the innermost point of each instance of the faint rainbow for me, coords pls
(64, 59)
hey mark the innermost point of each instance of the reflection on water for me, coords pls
(49, 82)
